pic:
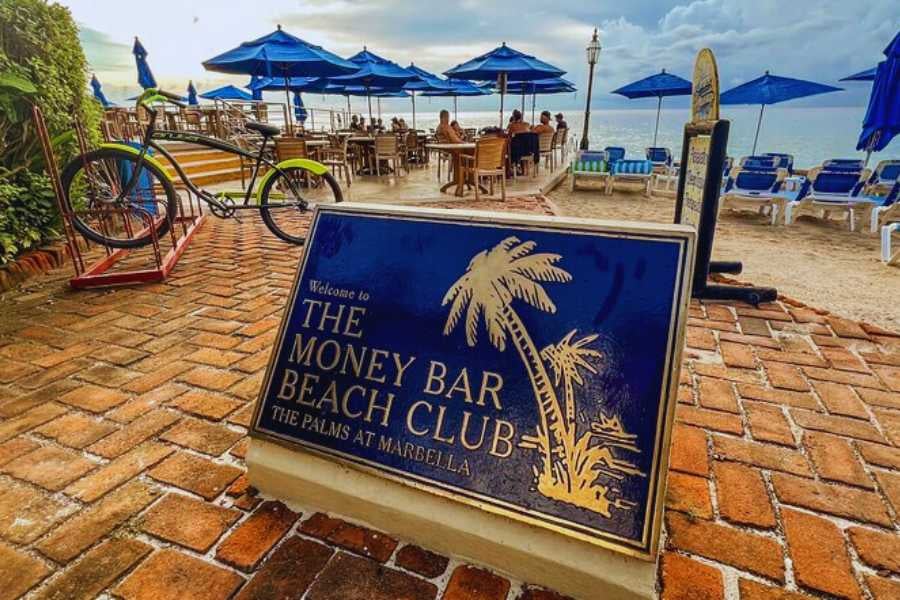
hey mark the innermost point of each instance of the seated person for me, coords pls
(561, 122)
(517, 124)
(445, 133)
(544, 125)
(459, 131)
(354, 123)
(395, 124)
(403, 126)
(362, 124)
(379, 126)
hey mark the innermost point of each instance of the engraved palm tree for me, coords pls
(493, 279)
(566, 358)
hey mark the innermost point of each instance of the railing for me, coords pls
(223, 119)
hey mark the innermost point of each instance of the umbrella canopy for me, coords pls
(145, 75)
(772, 89)
(656, 86)
(882, 121)
(551, 85)
(291, 84)
(227, 92)
(517, 66)
(867, 75)
(376, 72)
(192, 94)
(426, 82)
(279, 54)
(460, 87)
(98, 92)
(299, 109)
(504, 64)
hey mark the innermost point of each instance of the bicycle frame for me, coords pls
(152, 133)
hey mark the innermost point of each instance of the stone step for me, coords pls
(213, 177)
(218, 163)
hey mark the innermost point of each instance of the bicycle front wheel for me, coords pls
(287, 199)
(95, 186)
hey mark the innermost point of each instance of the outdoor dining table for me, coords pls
(456, 151)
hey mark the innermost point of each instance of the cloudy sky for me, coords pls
(815, 39)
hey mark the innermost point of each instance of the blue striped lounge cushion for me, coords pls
(589, 166)
(632, 167)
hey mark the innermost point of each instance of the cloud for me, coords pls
(821, 40)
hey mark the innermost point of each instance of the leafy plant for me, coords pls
(41, 62)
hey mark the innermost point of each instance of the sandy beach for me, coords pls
(819, 263)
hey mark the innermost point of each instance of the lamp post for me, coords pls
(593, 53)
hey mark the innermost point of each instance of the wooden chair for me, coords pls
(290, 147)
(563, 137)
(337, 157)
(488, 161)
(387, 147)
(414, 150)
(545, 147)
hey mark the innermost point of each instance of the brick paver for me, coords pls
(124, 413)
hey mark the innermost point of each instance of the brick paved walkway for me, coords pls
(123, 417)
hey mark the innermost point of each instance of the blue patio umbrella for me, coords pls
(551, 85)
(299, 109)
(458, 88)
(882, 121)
(280, 54)
(426, 82)
(375, 72)
(291, 84)
(867, 75)
(656, 86)
(98, 92)
(772, 89)
(503, 64)
(227, 92)
(192, 94)
(145, 75)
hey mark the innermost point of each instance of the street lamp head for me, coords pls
(593, 49)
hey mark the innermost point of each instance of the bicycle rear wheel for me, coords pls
(287, 199)
(94, 186)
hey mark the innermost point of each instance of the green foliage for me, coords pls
(41, 62)
(28, 213)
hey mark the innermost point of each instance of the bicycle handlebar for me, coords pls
(154, 95)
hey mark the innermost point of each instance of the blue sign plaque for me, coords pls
(524, 365)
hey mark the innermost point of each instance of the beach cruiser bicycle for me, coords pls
(119, 192)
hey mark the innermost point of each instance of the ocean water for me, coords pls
(810, 134)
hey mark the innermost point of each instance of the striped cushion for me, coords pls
(589, 166)
(632, 167)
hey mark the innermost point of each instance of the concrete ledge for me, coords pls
(529, 553)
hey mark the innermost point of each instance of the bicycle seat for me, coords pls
(263, 128)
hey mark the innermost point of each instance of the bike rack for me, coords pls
(101, 273)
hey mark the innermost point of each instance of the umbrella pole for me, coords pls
(533, 100)
(523, 100)
(413, 95)
(658, 108)
(501, 80)
(287, 112)
(369, 98)
(349, 111)
(762, 107)
(455, 111)
(378, 103)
